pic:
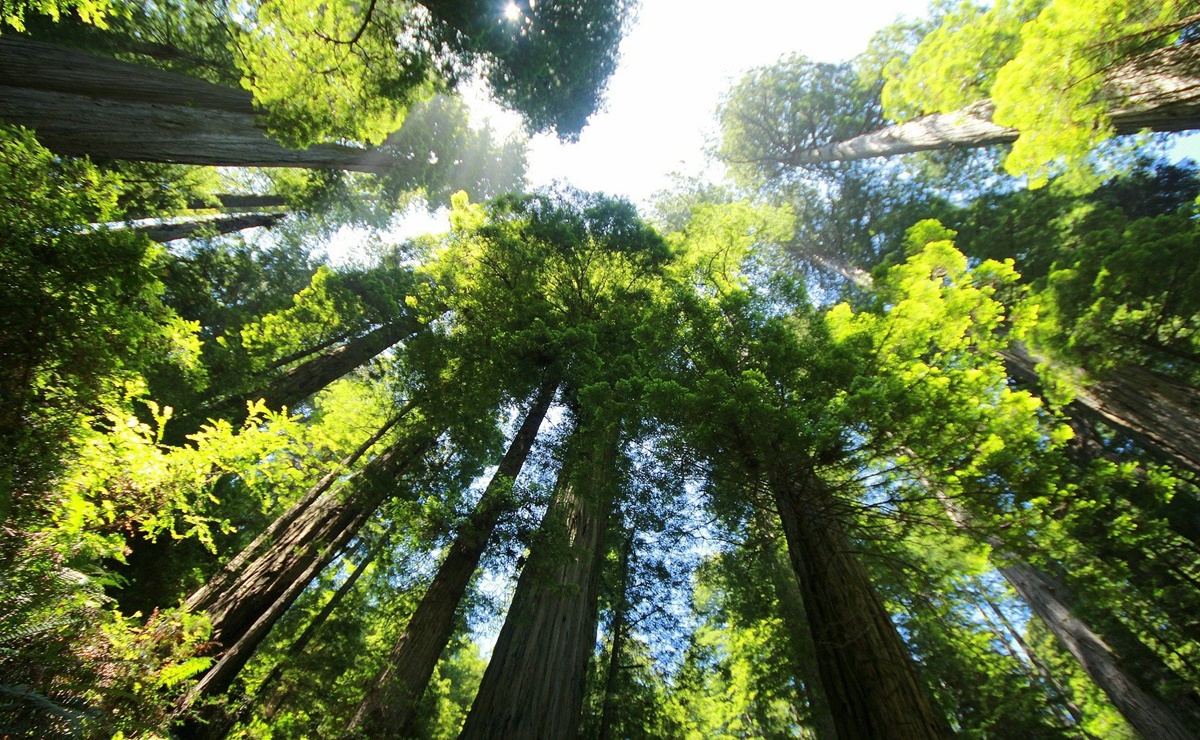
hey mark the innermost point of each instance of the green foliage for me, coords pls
(13, 12)
(1042, 64)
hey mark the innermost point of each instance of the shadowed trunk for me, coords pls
(620, 625)
(219, 582)
(292, 386)
(169, 232)
(865, 667)
(81, 104)
(219, 721)
(1159, 91)
(390, 706)
(232, 203)
(247, 604)
(534, 684)
(1159, 413)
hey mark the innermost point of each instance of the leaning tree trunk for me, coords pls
(169, 232)
(294, 385)
(1159, 413)
(81, 104)
(1159, 91)
(866, 670)
(533, 687)
(1146, 713)
(247, 605)
(390, 706)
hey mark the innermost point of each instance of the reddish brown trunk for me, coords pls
(246, 605)
(865, 668)
(390, 707)
(534, 684)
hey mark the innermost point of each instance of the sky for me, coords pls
(676, 61)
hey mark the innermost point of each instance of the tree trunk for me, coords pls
(608, 707)
(1159, 91)
(234, 203)
(1159, 413)
(390, 706)
(1144, 712)
(220, 722)
(306, 543)
(865, 667)
(81, 104)
(791, 609)
(169, 232)
(294, 385)
(534, 684)
(219, 582)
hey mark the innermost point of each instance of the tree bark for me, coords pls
(1144, 712)
(608, 707)
(1159, 91)
(294, 385)
(864, 666)
(219, 582)
(169, 232)
(534, 684)
(238, 608)
(390, 707)
(220, 722)
(233, 203)
(81, 104)
(1159, 413)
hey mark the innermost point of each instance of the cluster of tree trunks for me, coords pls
(244, 602)
(390, 706)
(1159, 91)
(82, 104)
(534, 684)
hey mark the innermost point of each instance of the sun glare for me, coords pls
(512, 12)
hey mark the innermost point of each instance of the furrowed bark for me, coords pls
(312, 537)
(1145, 712)
(390, 706)
(219, 722)
(1159, 413)
(219, 582)
(169, 232)
(533, 686)
(1159, 91)
(81, 104)
(865, 667)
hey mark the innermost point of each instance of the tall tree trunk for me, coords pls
(1159, 91)
(791, 609)
(534, 684)
(620, 625)
(865, 667)
(292, 386)
(81, 104)
(1146, 713)
(219, 582)
(1159, 413)
(220, 722)
(169, 232)
(308, 541)
(390, 706)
